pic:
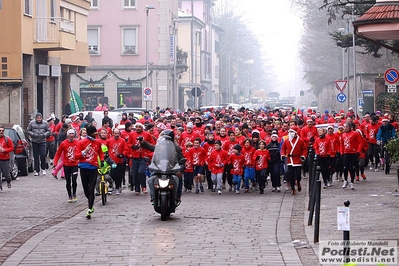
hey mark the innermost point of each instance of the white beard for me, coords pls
(291, 136)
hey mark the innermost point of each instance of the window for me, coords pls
(93, 40)
(94, 4)
(129, 41)
(4, 67)
(217, 47)
(129, 3)
(53, 10)
(28, 7)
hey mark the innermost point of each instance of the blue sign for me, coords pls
(360, 102)
(368, 92)
(391, 76)
(341, 97)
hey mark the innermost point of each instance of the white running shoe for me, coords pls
(219, 192)
(237, 192)
(43, 172)
(352, 187)
(278, 189)
(36, 174)
(328, 184)
(345, 184)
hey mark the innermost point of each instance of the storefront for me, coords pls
(92, 94)
(129, 94)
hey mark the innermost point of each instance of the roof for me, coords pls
(379, 23)
(386, 11)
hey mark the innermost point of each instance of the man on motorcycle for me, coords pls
(170, 133)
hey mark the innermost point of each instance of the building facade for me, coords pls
(46, 41)
(128, 39)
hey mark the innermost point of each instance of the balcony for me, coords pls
(54, 34)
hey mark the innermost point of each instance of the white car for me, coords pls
(99, 115)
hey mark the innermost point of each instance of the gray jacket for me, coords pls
(38, 131)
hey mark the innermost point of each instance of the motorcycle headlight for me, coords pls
(163, 183)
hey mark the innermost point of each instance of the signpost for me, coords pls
(341, 84)
(368, 93)
(341, 97)
(391, 88)
(147, 94)
(391, 76)
(360, 102)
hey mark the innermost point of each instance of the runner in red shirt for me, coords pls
(350, 148)
(117, 149)
(236, 160)
(67, 150)
(322, 148)
(197, 154)
(216, 163)
(262, 159)
(249, 163)
(208, 145)
(189, 168)
(188, 135)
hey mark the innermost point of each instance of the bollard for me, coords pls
(397, 173)
(346, 239)
(317, 193)
(312, 174)
(312, 198)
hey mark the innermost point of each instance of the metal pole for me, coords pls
(146, 53)
(192, 53)
(176, 89)
(343, 64)
(346, 239)
(348, 84)
(354, 61)
(317, 214)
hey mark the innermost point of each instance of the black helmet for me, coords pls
(170, 133)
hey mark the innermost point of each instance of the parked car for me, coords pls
(22, 161)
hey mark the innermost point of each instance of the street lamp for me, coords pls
(147, 8)
(175, 87)
(354, 62)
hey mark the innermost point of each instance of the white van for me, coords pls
(99, 115)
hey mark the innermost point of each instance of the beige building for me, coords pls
(43, 42)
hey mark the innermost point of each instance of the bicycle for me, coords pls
(103, 185)
(387, 159)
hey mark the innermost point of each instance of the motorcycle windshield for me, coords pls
(164, 160)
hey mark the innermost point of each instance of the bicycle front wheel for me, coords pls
(387, 163)
(103, 193)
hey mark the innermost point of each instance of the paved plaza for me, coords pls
(39, 226)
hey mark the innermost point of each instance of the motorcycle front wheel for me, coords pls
(164, 207)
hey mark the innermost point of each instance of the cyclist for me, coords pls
(385, 133)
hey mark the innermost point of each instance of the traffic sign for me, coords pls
(360, 102)
(147, 94)
(196, 91)
(341, 84)
(341, 97)
(391, 76)
(368, 93)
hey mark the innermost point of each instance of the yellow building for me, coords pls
(42, 43)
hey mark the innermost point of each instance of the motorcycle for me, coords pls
(163, 167)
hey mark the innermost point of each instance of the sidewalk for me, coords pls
(373, 209)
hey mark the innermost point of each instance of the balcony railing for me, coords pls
(48, 30)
